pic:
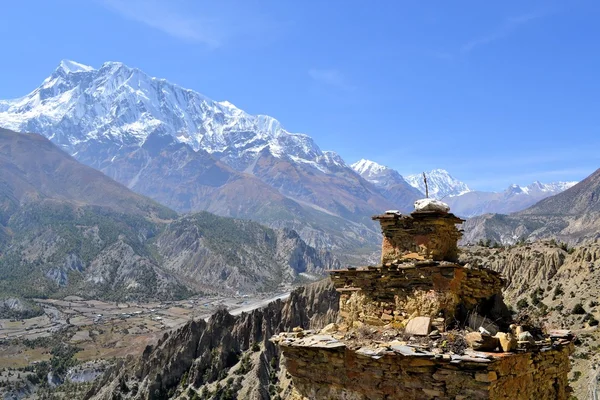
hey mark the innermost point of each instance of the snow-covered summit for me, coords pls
(78, 104)
(378, 174)
(368, 167)
(441, 184)
(538, 187)
(69, 66)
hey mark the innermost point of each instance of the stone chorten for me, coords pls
(422, 325)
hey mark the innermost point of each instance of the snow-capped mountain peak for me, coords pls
(69, 67)
(441, 184)
(537, 188)
(366, 167)
(516, 189)
(553, 187)
(78, 104)
(382, 176)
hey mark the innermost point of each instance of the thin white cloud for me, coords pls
(508, 27)
(330, 77)
(212, 24)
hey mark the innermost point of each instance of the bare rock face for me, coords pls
(224, 252)
(200, 355)
(507, 341)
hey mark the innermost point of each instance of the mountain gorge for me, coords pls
(69, 229)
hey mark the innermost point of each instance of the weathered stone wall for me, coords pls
(423, 235)
(384, 295)
(340, 373)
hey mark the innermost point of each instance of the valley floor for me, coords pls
(99, 330)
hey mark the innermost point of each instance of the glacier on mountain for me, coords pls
(440, 183)
(78, 103)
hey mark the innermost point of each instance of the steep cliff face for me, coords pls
(225, 353)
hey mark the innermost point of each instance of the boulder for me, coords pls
(331, 328)
(431, 205)
(418, 326)
(507, 341)
(526, 337)
(481, 342)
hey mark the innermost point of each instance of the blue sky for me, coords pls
(495, 92)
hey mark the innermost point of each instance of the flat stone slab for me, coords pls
(419, 326)
(560, 333)
(406, 350)
(373, 353)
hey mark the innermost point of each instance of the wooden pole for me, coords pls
(426, 187)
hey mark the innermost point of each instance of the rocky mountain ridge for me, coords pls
(441, 184)
(192, 153)
(512, 199)
(462, 200)
(557, 285)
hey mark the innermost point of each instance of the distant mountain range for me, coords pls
(66, 228)
(462, 200)
(572, 216)
(192, 153)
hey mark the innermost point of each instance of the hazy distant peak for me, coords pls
(441, 184)
(367, 167)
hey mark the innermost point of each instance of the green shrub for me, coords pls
(521, 304)
(578, 309)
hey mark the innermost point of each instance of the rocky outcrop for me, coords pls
(203, 354)
(557, 285)
(214, 251)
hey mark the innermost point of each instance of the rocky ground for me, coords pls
(559, 286)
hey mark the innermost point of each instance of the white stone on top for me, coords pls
(431, 205)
